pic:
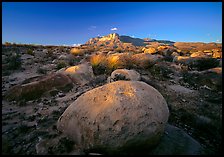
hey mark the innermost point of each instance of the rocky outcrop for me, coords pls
(124, 74)
(117, 116)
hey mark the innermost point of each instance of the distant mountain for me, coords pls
(134, 41)
(116, 40)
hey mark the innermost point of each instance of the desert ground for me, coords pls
(40, 82)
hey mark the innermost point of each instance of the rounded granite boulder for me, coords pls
(118, 116)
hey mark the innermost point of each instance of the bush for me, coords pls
(30, 52)
(77, 51)
(98, 63)
(14, 62)
(61, 64)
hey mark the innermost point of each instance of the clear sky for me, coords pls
(75, 22)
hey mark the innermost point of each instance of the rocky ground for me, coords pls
(193, 95)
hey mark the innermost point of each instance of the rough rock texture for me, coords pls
(122, 114)
(124, 74)
(176, 142)
(145, 60)
(198, 54)
(149, 50)
(81, 74)
(35, 89)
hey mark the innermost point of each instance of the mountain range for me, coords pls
(117, 40)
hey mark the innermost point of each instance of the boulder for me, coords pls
(150, 50)
(145, 60)
(80, 74)
(176, 142)
(124, 74)
(117, 116)
(198, 54)
(35, 89)
(62, 57)
(217, 54)
(166, 50)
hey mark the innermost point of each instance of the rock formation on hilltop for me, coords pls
(116, 40)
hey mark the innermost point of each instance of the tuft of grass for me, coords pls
(77, 51)
(98, 63)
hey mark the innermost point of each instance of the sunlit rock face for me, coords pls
(80, 74)
(145, 60)
(117, 116)
(124, 74)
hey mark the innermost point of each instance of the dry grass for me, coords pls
(77, 51)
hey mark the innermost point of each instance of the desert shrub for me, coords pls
(113, 62)
(77, 51)
(73, 61)
(98, 63)
(7, 43)
(50, 53)
(14, 62)
(61, 64)
(118, 61)
(204, 63)
(30, 52)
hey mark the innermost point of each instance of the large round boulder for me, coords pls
(117, 116)
(124, 74)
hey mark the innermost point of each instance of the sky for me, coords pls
(68, 23)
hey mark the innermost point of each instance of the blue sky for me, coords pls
(75, 22)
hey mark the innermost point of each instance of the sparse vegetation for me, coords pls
(98, 63)
(14, 61)
(61, 64)
(30, 52)
(198, 113)
(77, 51)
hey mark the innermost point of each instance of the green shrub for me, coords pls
(30, 52)
(61, 64)
(14, 62)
